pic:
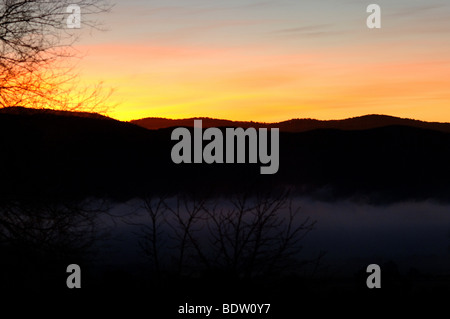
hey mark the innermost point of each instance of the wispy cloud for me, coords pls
(319, 30)
(412, 11)
(303, 29)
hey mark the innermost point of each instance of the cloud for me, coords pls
(319, 30)
(414, 10)
(307, 29)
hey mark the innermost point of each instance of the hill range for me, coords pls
(298, 125)
(57, 154)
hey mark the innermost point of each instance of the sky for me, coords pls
(271, 61)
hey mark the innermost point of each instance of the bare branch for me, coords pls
(35, 45)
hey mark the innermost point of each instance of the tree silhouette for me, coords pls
(254, 238)
(35, 44)
(243, 237)
(38, 238)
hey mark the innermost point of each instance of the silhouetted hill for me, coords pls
(154, 123)
(18, 110)
(300, 125)
(53, 155)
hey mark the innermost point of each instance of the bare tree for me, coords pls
(244, 237)
(35, 45)
(254, 237)
(187, 221)
(152, 233)
(63, 229)
(38, 239)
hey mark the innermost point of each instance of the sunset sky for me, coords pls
(271, 60)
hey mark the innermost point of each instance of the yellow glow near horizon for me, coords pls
(262, 85)
(271, 61)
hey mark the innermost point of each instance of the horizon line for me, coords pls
(283, 121)
(107, 115)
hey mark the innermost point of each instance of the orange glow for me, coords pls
(264, 84)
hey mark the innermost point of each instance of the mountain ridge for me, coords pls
(295, 125)
(298, 125)
(26, 111)
(47, 156)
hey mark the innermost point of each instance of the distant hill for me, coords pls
(18, 110)
(299, 125)
(60, 155)
(154, 123)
